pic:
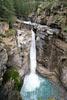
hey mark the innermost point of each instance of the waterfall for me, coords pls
(31, 81)
(33, 55)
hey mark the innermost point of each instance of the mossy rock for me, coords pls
(65, 29)
(56, 6)
(10, 33)
(40, 99)
(60, 20)
(1, 40)
(9, 45)
(2, 34)
(13, 73)
(18, 85)
(42, 6)
(10, 73)
(50, 99)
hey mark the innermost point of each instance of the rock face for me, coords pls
(52, 43)
(24, 37)
(4, 26)
(3, 62)
(8, 92)
(14, 60)
(52, 14)
(63, 71)
(52, 54)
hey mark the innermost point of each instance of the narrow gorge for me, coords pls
(33, 55)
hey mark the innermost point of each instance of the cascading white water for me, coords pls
(33, 55)
(31, 81)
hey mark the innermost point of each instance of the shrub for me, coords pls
(12, 73)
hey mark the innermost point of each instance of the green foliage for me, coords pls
(12, 73)
(7, 10)
(10, 9)
(42, 6)
(18, 85)
(23, 8)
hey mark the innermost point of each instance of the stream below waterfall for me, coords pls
(36, 87)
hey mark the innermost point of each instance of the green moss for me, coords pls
(65, 29)
(9, 45)
(40, 99)
(42, 6)
(3, 35)
(18, 85)
(12, 73)
(50, 99)
(8, 48)
(10, 33)
(1, 40)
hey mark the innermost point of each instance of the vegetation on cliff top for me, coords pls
(10, 9)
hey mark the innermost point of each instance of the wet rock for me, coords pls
(14, 53)
(3, 61)
(8, 91)
(51, 47)
(63, 70)
(47, 73)
(24, 37)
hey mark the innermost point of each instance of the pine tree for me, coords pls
(7, 10)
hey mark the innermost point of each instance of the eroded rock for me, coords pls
(51, 47)
(3, 61)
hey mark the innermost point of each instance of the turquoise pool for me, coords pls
(46, 90)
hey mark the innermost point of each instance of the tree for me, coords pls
(7, 10)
